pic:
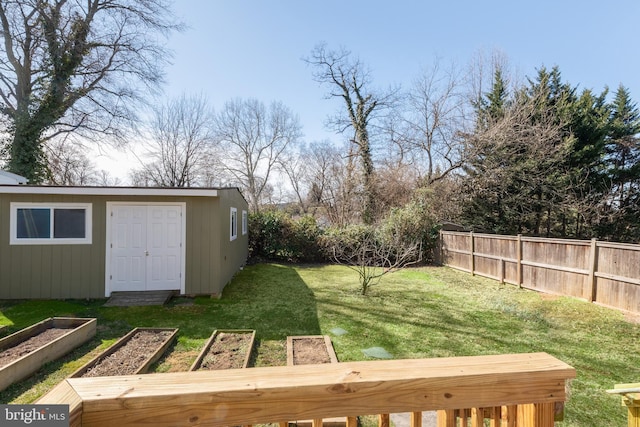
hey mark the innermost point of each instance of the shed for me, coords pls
(86, 242)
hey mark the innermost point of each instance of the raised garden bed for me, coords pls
(132, 354)
(309, 350)
(226, 349)
(24, 352)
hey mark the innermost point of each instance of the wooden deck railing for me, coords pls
(527, 387)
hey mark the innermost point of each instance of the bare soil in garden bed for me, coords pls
(31, 344)
(131, 356)
(309, 351)
(228, 351)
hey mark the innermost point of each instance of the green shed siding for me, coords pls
(232, 251)
(78, 271)
(203, 249)
(51, 271)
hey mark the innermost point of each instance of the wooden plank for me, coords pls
(352, 422)
(446, 418)
(494, 416)
(593, 259)
(415, 419)
(472, 250)
(384, 420)
(509, 415)
(63, 392)
(268, 394)
(618, 278)
(556, 267)
(477, 417)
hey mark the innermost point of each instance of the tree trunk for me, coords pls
(27, 156)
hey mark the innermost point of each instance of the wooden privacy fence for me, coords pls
(603, 272)
(512, 390)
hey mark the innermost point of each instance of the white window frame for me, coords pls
(88, 224)
(245, 224)
(233, 222)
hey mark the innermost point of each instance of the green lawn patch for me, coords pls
(414, 313)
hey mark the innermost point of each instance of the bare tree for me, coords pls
(182, 139)
(434, 122)
(68, 165)
(295, 166)
(332, 183)
(364, 249)
(348, 80)
(252, 140)
(76, 67)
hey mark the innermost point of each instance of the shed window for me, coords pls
(234, 224)
(61, 223)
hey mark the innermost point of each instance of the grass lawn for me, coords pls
(414, 313)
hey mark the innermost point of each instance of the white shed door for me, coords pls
(146, 247)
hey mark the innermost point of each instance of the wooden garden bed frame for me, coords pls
(121, 342)
(327, 343)
(528, 386)
(81, 330)
(212, 339)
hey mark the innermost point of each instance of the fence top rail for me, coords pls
(482, 235)
(615, 245)
(530, 238)
(338, 389)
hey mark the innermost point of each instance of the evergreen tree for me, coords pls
(623, 168)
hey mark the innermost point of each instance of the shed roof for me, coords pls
(114, 191)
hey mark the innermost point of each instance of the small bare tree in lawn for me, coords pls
(371, 252)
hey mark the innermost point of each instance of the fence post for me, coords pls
(472, 260)
(519, 261)
(593, 263)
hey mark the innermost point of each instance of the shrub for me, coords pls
(274, 235)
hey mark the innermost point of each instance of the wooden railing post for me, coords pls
(383, 420)
(447, 418)
(536, 415)
(416, 419)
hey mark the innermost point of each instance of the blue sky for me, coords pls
(254, 48)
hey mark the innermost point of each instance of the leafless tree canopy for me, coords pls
(181, 144)
(252, 139)
(69, 66)
(109, 48)
(434, 120)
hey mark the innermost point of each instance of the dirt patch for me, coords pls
(228, 351)
(127, 359)
(309, 351)
(31, 344)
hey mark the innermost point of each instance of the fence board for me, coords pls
(603, 272)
